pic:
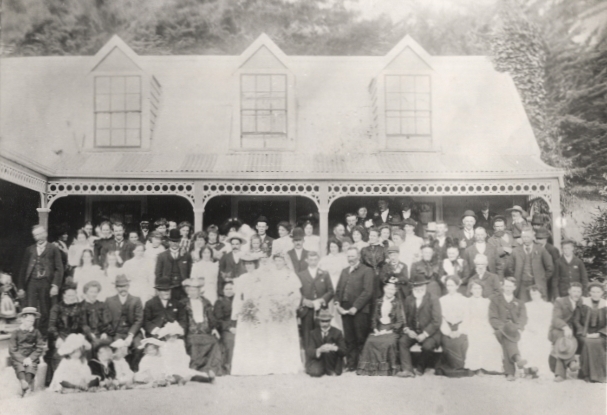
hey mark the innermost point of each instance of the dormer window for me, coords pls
(263, 110)
(408, 111)
(118, 111)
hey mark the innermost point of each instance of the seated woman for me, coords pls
(590, 322)
(73, 373)
(454, 265)
(484, 353)
(454, 341)
(88, 271)
(96, 314)
(380, 355)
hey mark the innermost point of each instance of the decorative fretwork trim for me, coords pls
(14, 174)
(260, 188)
(57, 189)
(541, 189)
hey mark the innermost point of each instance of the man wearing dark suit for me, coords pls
(230, 265)
(562, 326)
(144, 229)
(222, 311)
(316, 292)
(423, 319)
(491, 283)
(502, 240)
(484, 217)
(532, 265)
(480, 246)
(41, 276)
(406, 212)
(352, 300)
(119, 244)
(170, 264)
(383, 215)
(465, 235)
(162, 309)
(262, 229)
(441, 242)
(542, 236)
(298, 255)
(106, 236)
(567, 270)
(325, 349)
(126, 314)
(508, 317)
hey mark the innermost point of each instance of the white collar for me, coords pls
(509, 298)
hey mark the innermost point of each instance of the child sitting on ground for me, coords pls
(102, 366)
(73, 373)
(176, 360)
(25, 348)
(152, 371)
(124, 374)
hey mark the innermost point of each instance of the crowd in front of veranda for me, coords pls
(153, 308)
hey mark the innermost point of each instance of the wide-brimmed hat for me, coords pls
(542, 233)
(117, 344)
(418, 279)
(298, 234)
(409, 222)
(121, 280)
(510, 331)
(29, 310)
(164, 284)
(564, 348)
(250, 257)
(170, 329)
(236, 235)
(174, 235)
(517, 208)
(324, 315)
(73, 342)
(192, 282)
(150, 340)
(469, 213)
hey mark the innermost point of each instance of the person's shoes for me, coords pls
(531, 372)
(418, 372)
(331, 373)
(558, 379)
(521, 363)
(510, 378)
(405, 374)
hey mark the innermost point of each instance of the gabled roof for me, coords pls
(480, 122)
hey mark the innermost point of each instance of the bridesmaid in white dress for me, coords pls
(283, 244)
(334, 263)
(207, 269)
(484, 351)
(140, 271)
(534, 343)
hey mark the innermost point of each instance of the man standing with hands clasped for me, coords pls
(352, 301)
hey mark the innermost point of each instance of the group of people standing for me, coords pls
(175, 307)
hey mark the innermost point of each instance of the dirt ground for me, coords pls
(348, 394)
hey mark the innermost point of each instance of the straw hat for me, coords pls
(29, 310)
(73, 342)
(150, 340)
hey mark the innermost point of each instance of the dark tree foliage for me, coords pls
(593, 251)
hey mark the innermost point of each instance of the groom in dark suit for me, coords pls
(316, 292)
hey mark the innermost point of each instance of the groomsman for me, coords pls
(316, 291)
(325, 349)
(298, 254)
(352, 300)
(384, 215)
(262, 229)
(174, 266)
(230, 265)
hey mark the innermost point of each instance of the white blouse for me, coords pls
(454, 308)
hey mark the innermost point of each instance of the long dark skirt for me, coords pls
(205, 353)
(593, 360)
(379, 356)
(453, 359)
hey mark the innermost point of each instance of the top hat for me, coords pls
(564, 348)
(510, 331)
(29, 310)
(73, 342)
(298, 234)
(407, 203)
(174, 235)
(516, 208)
(164, 284)
(469, 213)
(542, 233)
(262, 219)
(418, 279)
(324, 315)
(121, 281)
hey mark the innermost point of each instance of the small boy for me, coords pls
(25, 348)
(124, 374)
(103, 367)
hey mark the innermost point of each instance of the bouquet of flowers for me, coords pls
(281, 309)
(250, 312)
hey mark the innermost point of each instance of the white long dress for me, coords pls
(410, 250)
(210, 272)
(484, 351)
(334, 265)
(140, 271)
(271, 344)
(534, 344)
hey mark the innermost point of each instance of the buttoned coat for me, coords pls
(494, 263)
(429, 315)
(315, 287)
(164, 266)
(298, 264)
(50, 260)
(502, 311)
(542, 267)
(134, 313)
(156, 315)
(356, 287)
(562, 315)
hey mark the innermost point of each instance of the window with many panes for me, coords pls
(263, 110)
(118, 111)
(408, 110)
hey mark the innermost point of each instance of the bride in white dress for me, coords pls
(265, 304)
